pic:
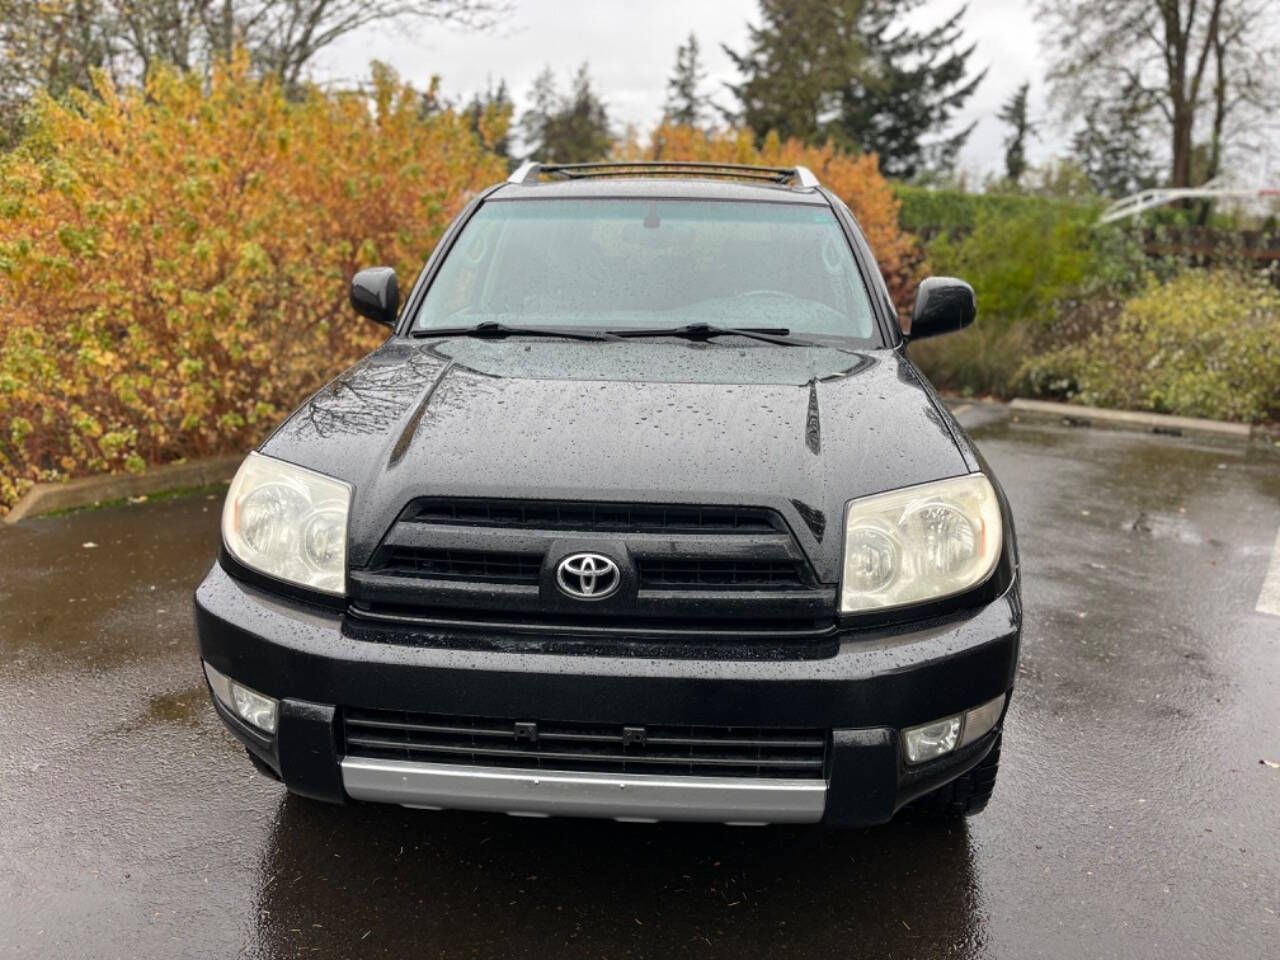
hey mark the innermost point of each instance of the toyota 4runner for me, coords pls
(641, 511)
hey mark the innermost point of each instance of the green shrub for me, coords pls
(1031, 267)
(1205, 344)
(1020, 264)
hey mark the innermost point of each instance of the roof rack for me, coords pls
(799, 177)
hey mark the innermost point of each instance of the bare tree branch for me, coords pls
(1192, 65)
(55, 45)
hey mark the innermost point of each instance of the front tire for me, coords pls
(965, 796)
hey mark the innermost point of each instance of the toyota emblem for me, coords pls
(588, 576)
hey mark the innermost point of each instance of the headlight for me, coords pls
(920, 543)
(289, 523)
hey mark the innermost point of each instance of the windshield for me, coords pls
(635, 264)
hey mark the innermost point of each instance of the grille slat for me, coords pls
(655, 573)
(660, 573)
(692, 750)
(473, 565)
(596, 517)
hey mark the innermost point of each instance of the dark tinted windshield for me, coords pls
(615, 264)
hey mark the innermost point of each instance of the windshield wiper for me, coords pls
(491, 328)
(705, 331)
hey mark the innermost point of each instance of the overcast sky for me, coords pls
(630, 45)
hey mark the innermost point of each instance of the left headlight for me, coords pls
(288, 522)
(919, 543)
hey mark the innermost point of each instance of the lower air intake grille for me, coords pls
(600, 748)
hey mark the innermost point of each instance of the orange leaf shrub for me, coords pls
(174, 262)
(854, 179)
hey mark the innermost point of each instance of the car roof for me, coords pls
(652, 186)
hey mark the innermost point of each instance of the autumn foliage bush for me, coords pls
(174, 261)
(854, 179)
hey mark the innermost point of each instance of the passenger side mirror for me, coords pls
(375, 294)
(942, 304)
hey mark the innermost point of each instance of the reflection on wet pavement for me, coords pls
(397, 883)
(1133, 815)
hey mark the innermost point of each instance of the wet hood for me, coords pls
(799, 429)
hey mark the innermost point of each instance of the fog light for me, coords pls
(979, 721)
(254, 708)
(932, 740)
(250, 706)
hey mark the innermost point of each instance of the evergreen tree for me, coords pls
(544, 100)
(914, 83)
(572, 128)
(1014, 113)
(1113, 148)
(686, 105)
(497, 103)
(849, 70)
(797, 62)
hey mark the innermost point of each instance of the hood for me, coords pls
(799, 429)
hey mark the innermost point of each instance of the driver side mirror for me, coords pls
(942, 304)
(375, 294)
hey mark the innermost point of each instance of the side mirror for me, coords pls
(376, 294)
(942, 304)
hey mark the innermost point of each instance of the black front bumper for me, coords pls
(874, 684)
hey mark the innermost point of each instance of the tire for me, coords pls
(262, 766)
(965, 796)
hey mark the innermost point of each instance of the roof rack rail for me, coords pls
(799, 176)
(527, 172)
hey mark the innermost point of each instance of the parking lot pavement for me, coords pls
(1134, 816)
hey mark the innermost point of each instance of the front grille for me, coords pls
(660, 573)
(488, 560)
(595, 517)
(601, 748)
(655, 573)
(483, 565)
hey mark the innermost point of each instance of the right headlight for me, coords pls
(289, 523)
(919, 543)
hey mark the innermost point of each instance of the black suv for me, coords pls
(640, 512)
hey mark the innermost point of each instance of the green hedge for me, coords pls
(927, 209)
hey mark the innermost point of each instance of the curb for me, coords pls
(86, 491)
(1136, 420)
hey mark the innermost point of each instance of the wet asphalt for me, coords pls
(1133, 816)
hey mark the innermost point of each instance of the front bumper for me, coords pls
(876, 683)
